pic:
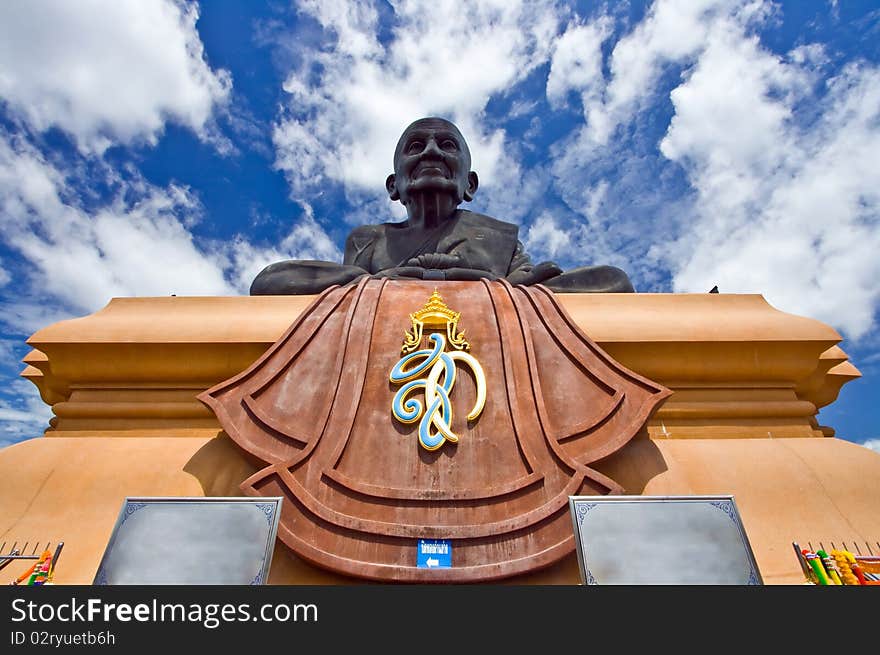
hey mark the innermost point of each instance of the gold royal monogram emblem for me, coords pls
(433, 369)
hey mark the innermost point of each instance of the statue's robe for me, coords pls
(359, 491)
(481, 242)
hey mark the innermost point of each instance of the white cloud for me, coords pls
(625, 198)
(782, 175)
(570, 242)
(727, 121)
(25, 417)
(522, 107)
(28, 312)
(810, 53)
(546, 239)
(14, 415)
(135, 244)
(873, 444)
(577, 62)
(621, 203)
(5, 277)
(447, 58)
(306, 240)
(7, 348)
(107, 71)
(787, 206)
(672, 30)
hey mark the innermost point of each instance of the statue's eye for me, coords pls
(415, 146)
(448, 144)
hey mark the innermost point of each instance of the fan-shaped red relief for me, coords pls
(359, 488)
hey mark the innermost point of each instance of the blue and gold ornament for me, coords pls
(433, 369)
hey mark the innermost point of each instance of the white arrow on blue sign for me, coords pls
(434, 554)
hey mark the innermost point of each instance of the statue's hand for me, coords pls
(436, 260)
(419, 273)
(445, 266)
(534, 275)
(401, 272)
(468, 274)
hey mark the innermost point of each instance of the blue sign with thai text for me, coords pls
(434, 554)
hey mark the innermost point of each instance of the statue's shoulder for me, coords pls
(367, 232)
(473, 219)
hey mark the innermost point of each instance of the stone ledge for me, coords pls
(738, 366)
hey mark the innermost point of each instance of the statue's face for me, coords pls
(432, 156)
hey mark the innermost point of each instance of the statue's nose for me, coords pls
(432, 148)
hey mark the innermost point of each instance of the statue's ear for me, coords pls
(391, 187)
(473, 183)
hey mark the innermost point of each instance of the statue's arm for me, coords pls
(591, 279)
(584, 279)
(302, 277)
(523, 271)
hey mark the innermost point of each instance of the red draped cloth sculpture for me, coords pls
(359, 491)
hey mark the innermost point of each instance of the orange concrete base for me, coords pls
(805, 490)
(738, 367)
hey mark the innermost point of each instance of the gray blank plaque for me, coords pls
(191, 541)
(662, 540)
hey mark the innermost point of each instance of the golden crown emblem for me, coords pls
(435, 314)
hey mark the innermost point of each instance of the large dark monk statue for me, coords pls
(438, 241)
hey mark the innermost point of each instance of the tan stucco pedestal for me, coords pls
(801, 489)
(748, 381)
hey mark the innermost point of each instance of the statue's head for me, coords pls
(432, 156)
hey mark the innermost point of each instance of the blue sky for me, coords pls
(157, 148)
